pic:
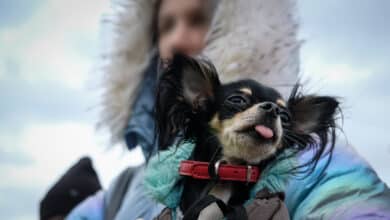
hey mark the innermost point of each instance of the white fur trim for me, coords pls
(255, 39)
(126, 56)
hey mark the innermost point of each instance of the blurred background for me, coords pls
(48, 95)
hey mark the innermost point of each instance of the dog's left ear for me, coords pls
(313, 114)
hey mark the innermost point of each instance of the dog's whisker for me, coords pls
(292, 134)
(296, 141)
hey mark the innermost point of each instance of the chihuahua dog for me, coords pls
(240, 123)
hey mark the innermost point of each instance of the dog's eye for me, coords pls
(285, 117)
(237, 100)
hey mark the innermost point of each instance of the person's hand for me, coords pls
(267, 205)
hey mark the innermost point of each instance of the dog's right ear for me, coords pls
(199, 81)
(185, 96)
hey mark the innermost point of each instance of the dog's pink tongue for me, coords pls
(264, 131)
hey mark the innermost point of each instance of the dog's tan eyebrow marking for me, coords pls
(246, 90)
(281, 102)
(215, 123)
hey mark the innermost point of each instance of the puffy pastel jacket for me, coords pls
(349, 189)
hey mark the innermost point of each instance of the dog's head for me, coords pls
(251, 121)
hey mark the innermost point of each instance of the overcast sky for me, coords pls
(47, 49)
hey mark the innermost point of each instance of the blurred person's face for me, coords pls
(182, 26)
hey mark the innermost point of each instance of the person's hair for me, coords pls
(154, 25)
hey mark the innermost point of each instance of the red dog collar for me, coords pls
(199, 170)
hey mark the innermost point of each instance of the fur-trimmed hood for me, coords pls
(247, 39)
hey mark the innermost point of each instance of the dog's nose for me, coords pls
(270, 108)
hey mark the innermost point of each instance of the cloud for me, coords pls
(353, 34)
(26, 102)
(14, 158)
(16, 12)
(53, 147)
(345, 20)
(57, 44)
(12, 198)
(317, 67)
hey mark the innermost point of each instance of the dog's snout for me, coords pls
(270, 108)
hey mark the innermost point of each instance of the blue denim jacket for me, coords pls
(140, 128)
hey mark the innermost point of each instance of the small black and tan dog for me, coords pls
(242, 122)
